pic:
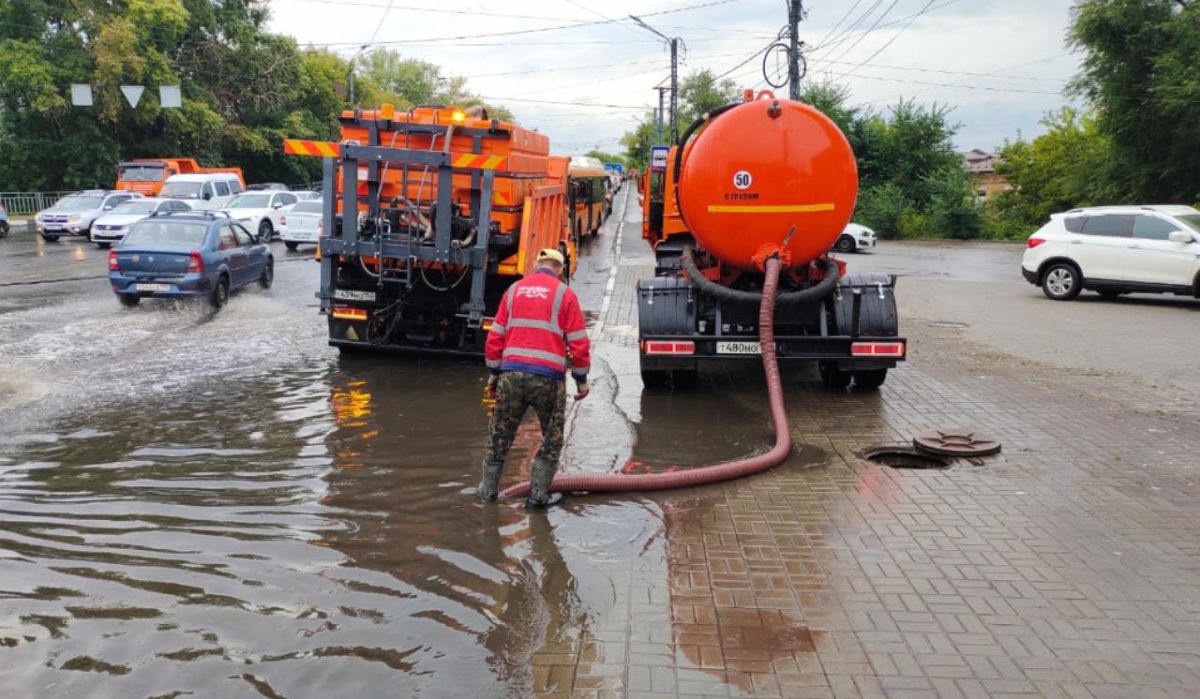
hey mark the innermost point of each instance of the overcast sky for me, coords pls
(1000, 63)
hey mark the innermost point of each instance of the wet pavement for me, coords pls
(218, 505)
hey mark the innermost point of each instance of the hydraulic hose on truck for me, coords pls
(622, 482)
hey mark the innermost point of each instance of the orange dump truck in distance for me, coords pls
(147, 175)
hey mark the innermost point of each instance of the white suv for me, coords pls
(1116, 250)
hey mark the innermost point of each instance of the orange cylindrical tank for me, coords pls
(760, 168)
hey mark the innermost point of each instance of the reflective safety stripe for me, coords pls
(509, 294)
(535, 324)
(577, 335)
(559, 293)
(492, 363)
(558, 359)
(498, 329)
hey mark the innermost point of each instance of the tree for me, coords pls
(1138, 73)
(605, 157)
(1065, 167)
(411, 82)
(699, 92)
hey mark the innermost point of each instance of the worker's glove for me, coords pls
(581, 390)
(489, 391)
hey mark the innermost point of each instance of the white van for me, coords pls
(203, 191)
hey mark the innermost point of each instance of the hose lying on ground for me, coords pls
(621, 482)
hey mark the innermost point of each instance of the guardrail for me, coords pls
(26, 203)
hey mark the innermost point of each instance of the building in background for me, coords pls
(981, 166)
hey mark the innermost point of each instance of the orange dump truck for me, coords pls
(451, 207)
(148, 175)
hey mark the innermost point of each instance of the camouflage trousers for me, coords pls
(515, 395)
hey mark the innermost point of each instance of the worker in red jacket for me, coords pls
(537, 335)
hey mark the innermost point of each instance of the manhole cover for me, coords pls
(956, 442)
(903, 456)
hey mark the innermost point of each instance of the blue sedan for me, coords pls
(188, 254)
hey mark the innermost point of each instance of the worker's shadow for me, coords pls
(540, 612)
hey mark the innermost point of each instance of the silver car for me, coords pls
(75, 213)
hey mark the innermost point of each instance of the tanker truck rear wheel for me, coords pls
(655, 380)
(870, 379)
(833, 377)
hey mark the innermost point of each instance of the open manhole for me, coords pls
(903, 456)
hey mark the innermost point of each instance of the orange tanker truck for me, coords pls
(148, 175)
(450, 208)
(755, 180)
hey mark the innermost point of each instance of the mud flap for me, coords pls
(874, 295)
(666, 306)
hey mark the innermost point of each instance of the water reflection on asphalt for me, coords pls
(304, 533)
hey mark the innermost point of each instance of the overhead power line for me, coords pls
(892, 40)
(839, 40)
(872, 28)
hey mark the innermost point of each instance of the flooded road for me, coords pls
(219, 505)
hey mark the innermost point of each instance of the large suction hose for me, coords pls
(816, 292)
(621, 482)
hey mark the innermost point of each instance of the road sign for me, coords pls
(169, 97)
(658, 158)
(81, 95)
(133, 93)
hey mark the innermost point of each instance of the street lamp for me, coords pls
(673, 42)
(350, 79)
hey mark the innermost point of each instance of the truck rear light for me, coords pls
(112, 261)
(195, 263)
(348, 313)
(877, 349)
(668, 347)
(1034, 242)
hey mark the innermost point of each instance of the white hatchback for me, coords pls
(1116, 250)
(855, 237)
(112, 226)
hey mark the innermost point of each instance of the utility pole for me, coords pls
(350, 78)
(795, 13)
(673, 42)
(661, 91)
(675, 89)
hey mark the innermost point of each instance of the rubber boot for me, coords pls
(489, 481)
(540, 496)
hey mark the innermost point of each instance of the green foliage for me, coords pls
(1068, 166)
(1139, 74)
(953, 211)
(387, 76)
(699, 92)
(244, 89)
(882, 208)
(606, 157)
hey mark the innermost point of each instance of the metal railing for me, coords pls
(28, 203)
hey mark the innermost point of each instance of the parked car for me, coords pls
(306, 195)
(3, 222)
(267, 187)
(302, 225)
(203, 190)
(1116, 250)
(75, 213)
(855, 237)
(188, 254)
(261, 211)
(112, 226)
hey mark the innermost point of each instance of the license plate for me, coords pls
(353, 295)
(739, 348)
(153, 287)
